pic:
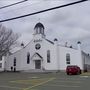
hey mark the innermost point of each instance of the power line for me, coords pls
(21, 7)
(13, 4)
(43, 11)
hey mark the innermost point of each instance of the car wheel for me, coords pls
(80, 72)
(67, 73)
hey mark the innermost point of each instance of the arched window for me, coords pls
(14, 62)
(38, 30)
(67, 58)
(0, 65)
(42, 31)
(28, 58)
(48, 56)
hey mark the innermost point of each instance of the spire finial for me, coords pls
(39, 19)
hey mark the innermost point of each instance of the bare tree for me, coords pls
(7, 39)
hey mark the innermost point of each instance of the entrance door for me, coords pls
(37, 64)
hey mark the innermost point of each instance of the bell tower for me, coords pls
(39, 29)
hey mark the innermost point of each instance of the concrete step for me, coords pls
(39, 71)
(33, 70)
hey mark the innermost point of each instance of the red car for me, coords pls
(73, 70)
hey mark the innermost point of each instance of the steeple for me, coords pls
(39, 29)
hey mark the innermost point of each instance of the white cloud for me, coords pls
(70, 23)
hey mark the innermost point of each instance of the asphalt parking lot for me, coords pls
(45, 81)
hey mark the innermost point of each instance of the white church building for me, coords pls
(44, 55)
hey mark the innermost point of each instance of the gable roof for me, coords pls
(29, 43)
(49, 41)
(37, 54)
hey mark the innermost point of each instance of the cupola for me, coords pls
(39, 28)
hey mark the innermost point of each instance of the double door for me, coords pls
(37, 64)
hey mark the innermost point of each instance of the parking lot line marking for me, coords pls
(18, 81)
(62, 85)
(71, 79)
(84, 76)
(11, 87)
(68, 81)
(39, 84)
(28, 82)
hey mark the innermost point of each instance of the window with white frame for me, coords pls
(48, 56)
(67, 58)
(0, 65)
(0, 58)
(14, 62)
(28, 58)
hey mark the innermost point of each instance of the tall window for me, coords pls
(0, 57)
(0, 65)
(28, 58)
(42, 31)
(36, 31)
(14, 63)
(67, 58)
(48, 56)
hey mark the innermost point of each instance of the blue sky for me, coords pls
(68, 24)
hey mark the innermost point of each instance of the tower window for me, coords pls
(14, 62)
(48, 56)
(42, 31)
(28, 58)
(67, 58)
(39, 28)
(36, 31)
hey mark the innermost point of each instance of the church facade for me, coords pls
(45, 55)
